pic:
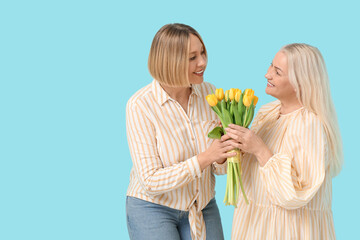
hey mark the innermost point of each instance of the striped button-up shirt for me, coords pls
(164, 142)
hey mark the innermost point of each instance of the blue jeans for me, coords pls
(146, 220)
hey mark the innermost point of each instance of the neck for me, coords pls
(179, 94)
(289, 105)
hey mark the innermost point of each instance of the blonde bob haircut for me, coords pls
(309, 77)
(168, 61)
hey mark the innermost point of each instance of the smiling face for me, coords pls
(278, 84)
(197, 60)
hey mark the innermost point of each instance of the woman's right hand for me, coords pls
(217, 152)
(247, 141)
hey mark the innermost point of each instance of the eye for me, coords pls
(277, 73)
(203, 52)
(192, 58)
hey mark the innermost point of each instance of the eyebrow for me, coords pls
(277, 67)
(194, 52)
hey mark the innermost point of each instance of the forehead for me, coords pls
(195, 43)
(280, 60)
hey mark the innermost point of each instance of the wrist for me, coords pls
(263, 155)
(221, 161)
(204, 160)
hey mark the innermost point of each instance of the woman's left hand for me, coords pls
(248, 141)
(244, 138)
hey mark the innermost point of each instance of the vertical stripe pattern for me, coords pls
(164, 142)
(290, 197)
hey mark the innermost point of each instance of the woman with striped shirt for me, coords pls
(292, 152)
(171, 191)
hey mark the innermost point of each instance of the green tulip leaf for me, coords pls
(216, 133)
(237, 116)
(227, 119)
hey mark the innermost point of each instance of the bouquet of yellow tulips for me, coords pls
(235, 107)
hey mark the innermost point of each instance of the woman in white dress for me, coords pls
(292, 152)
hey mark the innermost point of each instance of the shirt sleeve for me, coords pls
(153, 176)
(294, 175)
(219, 169)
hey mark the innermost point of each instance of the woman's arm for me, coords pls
(293, 175)
(153, 176)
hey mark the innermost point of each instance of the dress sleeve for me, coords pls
(293, 175)
(153, 176)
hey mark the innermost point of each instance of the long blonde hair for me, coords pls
(308, 75)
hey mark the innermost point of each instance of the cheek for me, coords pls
(191, 68)
(289, 87)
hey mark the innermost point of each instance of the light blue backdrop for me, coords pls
(67, 69)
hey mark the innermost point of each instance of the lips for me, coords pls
(199, 73)
(270, 85)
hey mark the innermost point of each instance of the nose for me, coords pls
(202, 61)
(268, 74)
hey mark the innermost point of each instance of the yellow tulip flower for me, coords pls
(232, 93)
(219, 93)
(249, 92)
(237, 96)
(255, 100)
(212, 100)
(247, 100)
(227, 95)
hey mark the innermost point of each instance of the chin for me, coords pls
(197, 81)
(269, 92)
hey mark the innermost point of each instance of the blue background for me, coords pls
(67, 69)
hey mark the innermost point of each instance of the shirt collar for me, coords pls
(195, 90)
(162, 97)
(159, 93)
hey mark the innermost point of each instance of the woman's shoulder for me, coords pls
(139, 95)
(266, 113)
(307, 118)
(304, 122)
(208, 85)
(271, 107)
(205, 88)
